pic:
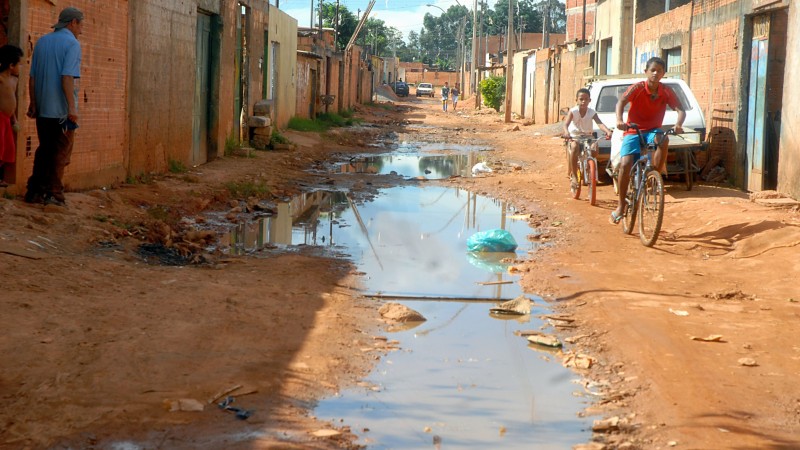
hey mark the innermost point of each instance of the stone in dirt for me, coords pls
(396, 312)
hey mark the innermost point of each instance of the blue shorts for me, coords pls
(631, 144)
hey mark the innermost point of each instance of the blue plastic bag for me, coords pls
(491, 241)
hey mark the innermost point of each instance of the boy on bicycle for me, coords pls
(579, 123)
(648, 100)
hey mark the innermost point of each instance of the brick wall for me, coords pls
(575, 20)
(101, 141)
(662, 32)
(714, 79)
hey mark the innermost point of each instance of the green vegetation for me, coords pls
(142, 178)
(278, 138)
(493, 91)
(159, 212)
(176, 166)
(231, 144)
(246, 189)
(8, 195)
(323, 122)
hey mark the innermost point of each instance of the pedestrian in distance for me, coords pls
(53, 86)
(445, 95)
(454, 93)
(10, 57)
(649, 100)
(579, 123)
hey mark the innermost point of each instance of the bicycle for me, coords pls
(645, 196)
(587, 167)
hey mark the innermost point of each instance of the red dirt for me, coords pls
(97, 343)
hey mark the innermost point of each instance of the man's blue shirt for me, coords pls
(56, 54)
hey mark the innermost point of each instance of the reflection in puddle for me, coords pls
(463, 377)
(468, 379)
(411, 241)
(414, 165)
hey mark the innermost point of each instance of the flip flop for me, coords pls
(614, 219)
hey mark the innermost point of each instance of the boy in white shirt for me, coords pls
(579, 123)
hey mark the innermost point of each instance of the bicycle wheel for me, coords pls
(629, 217)
(591, 174)
(651, 208)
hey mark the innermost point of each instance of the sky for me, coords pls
(405, 15)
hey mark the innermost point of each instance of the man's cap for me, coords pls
(67, 15)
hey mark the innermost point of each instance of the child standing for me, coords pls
(445, 95)
(579, 123)
(10, 56)
(455, 92)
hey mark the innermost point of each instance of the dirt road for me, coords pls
(102, 347)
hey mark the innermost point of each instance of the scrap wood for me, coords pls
(221, 394)
(19, 252)
(709, 338)
(490, 283)
(555, 317)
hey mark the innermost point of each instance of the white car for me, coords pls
(605, 93)
(425, 89)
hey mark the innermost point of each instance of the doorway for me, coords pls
(764, 103)
(202, 89)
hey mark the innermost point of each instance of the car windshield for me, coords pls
(607, 101)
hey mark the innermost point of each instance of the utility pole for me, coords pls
(336, 28)
(583, 33)
(509, 66)
(546, 25)
(473, 76)
(311, 19)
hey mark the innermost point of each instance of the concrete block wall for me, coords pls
(101, 141)
(162, 83)
(715, 77)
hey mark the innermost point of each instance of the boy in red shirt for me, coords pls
(649, 100)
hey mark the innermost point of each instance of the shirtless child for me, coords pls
(10, 57)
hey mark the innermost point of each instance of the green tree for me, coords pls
(493, 91)
(347, 22)
(439, 38)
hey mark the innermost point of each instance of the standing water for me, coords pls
(462, 379)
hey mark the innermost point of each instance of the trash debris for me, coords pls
(709, 338)
(496, 240)
(606, 425)
(493, 262)
(578, 361)
(679, 312)
(184, 404)
(481, 167)
(519, 306)
(241, 413)
(546, 340)
(326, 433)
(747, 362)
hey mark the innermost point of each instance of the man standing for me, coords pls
(53, 86)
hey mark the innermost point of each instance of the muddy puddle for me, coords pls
(413, 165)
(462, 379)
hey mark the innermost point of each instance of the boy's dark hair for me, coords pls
(583, 91)
(656, 60)
(9, 54)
